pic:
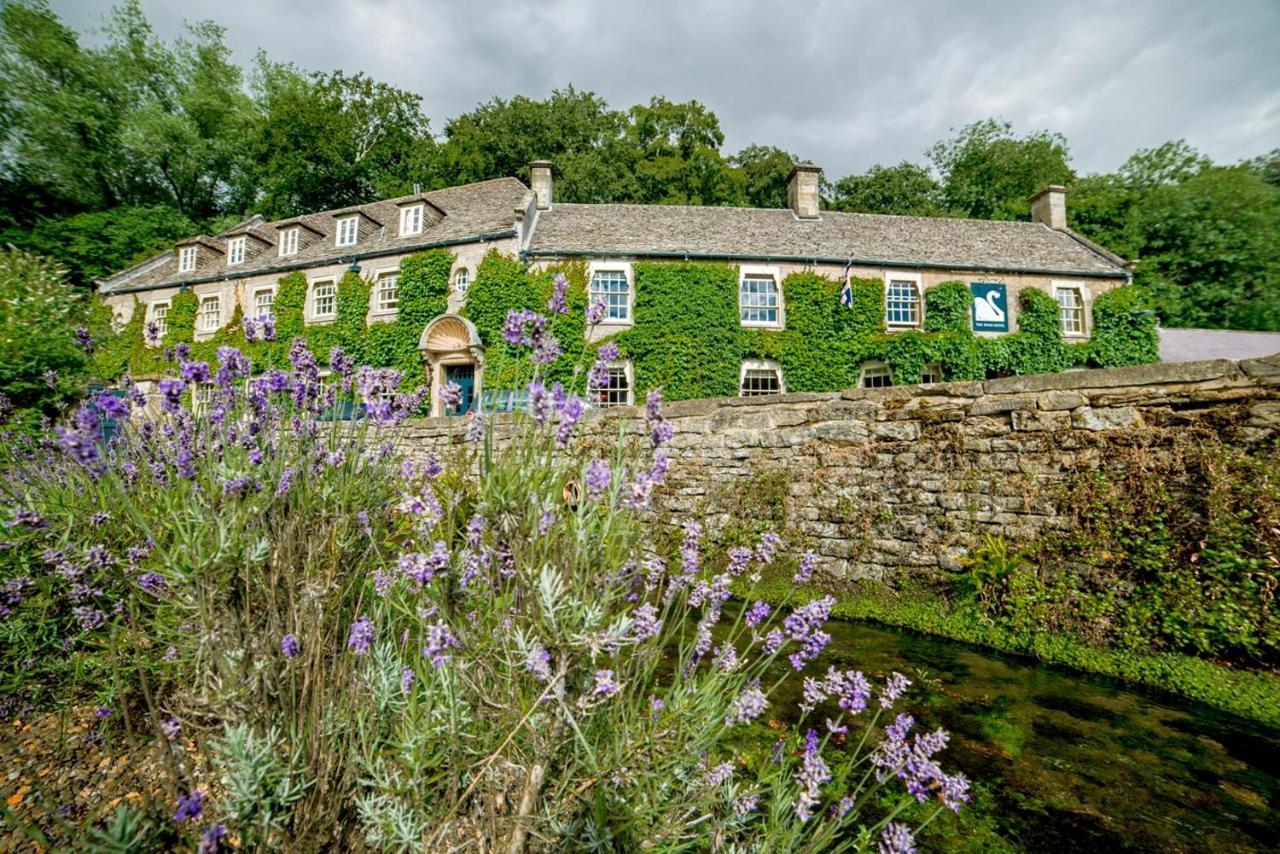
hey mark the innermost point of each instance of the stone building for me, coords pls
(241, 266)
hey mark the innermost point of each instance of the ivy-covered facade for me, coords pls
(698, 301)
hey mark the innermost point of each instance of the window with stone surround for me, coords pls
(264, 303)
(388, 292)
(289, 241)
(411, 220)
(186, 259)
(902, 301)
(461, 281)
(160, 317)
(324, 299)
(209, 317)
(348, 230)
(876, 375)
(1071, 308)
(616, 390)
(930, 374)
(612, 288)
(760, 377)
(235, 250)
(759, 300)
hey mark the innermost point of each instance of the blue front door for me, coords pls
(465, 377)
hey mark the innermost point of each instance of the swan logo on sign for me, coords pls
(990, 307)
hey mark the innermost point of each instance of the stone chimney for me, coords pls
(802, 190)
(1050, 206)
(540, 182)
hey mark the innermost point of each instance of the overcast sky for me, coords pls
(846, 84)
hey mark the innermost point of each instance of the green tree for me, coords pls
(331, 140)
(988, 172)
(765, 170)
(907, 189)
(679, 155)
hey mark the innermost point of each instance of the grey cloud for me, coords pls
(848, 84)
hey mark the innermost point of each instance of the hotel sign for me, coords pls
(989, 307)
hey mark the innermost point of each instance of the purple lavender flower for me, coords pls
(439, 639)
(112, 406)
(812, 774)
(757, 614)
(475, 426)
(211, 839)
(151, 334)
(171, 727)
(286, 481)
(421, 568)
(152, 582)
(595, 312)
(361, 636)
(90, 618)
(559, 304)
(894, 687)
(171, 394)
(598, 478)
(748, 706)
(718, 775)
(768, 547)
(570, 412)
(745, 805)
(605, 684)
(407, 678)
(103, 712)
(267, 326)
(896, 839)
(84, 339)
(644, 622)
(805, 573)
(289, 646)
(450, 395)
(189, 807)
(250, 327)
(540, 402)
(538, 662)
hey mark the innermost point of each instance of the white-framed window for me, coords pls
(187, 259)
(324, 299)
(876, 375)
(411, 220)
(759, 297)
(264, 303)
(289, 241)
(902, 307)
(759, 377)
(616, 390)
(160, 317)
(209, 317)
(387, 292)
(461, 281)
(612, 285)
(348, 231)
(1070, 308)
(930, 374)
(201, 394)
(235, 250)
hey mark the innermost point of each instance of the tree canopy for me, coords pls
(109, 152)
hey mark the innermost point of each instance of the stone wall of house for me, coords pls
(884, 480)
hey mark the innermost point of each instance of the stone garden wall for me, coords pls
(882, 480)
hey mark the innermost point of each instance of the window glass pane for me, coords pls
(160, 314)
(931, 374)
(616, 391)
(262, 304)
(758, 300)
(210, 314)
(411, 220)
(902, 304)
(462, 281)
(876, 375)
(760, 381)
(1072, 310)
(347, 231)
(235, 251)
(388, 292)
(611, 286)
(289, 242)
(324, 299)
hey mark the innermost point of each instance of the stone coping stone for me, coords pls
(1134, 375)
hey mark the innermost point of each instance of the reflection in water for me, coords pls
(1079, 763)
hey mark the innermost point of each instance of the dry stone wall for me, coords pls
(880, 481)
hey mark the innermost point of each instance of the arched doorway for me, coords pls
(451, 348)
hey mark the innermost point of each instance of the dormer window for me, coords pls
(348, 229)
(289, 241)
(186, 259)
(411, 220)
(235, 250)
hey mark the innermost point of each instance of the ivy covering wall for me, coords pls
(686, 337)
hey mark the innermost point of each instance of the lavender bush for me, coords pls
(477, 651)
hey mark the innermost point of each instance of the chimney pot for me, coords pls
(1049, 206)
(802, 190)
(540, 182)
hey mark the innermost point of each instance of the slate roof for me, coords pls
(1195, 345)
(470, 212)
(909, 241)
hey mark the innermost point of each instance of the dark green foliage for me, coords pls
(353, 309)
(947, 307)
(906, 189)
(290, 305)
(988, 172)
(181, 319)
(501, 285)
(687, 338)
(1124, 330)
(816, 348)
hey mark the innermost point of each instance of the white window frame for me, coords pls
(236, 249)
(340, 231)
(931, 369)
(751, 271)
(459, 287)
(375, 298)
(162, 320)
(873, 369)
(629, 373)
(202, 325)
(917, 281)
(289, 240)
(758, 365)
(1083, 293)
(614, 267)
(257, 292)
(313, 314)
(187, 258)
(406, 213)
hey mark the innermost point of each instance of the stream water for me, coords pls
(1068, 762)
